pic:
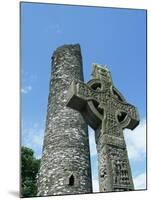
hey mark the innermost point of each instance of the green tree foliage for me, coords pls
(29, 169)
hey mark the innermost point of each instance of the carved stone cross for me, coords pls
(107, 112)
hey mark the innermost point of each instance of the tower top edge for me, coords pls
(68, 47)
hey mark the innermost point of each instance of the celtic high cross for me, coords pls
(107, 112)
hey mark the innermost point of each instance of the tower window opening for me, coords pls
(71, 180)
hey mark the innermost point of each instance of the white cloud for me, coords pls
(33, 138)
(95, 184)
(92, 143)
(56, 29)
(26, 89)
(140, 181)
(136, 141)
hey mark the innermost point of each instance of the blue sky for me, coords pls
(115, 37)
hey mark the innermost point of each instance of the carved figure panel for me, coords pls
(119, 166)
(103, 175)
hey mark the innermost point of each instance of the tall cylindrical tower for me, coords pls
(65, 164)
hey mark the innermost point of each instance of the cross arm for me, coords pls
(78, 94)
(80, 97)
(129, 114)
(74, 100)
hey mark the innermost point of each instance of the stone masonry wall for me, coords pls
(65, 165)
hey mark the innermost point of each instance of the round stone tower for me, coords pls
(65, 164)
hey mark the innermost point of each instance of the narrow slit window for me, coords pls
(71, 180)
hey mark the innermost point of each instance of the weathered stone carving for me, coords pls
(107, 112)
(121, 175)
